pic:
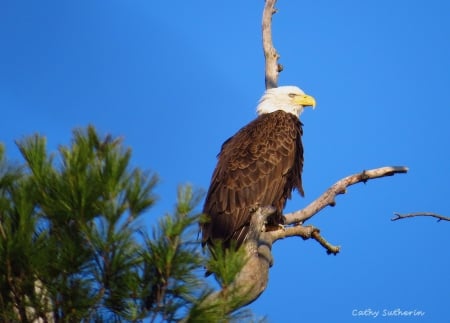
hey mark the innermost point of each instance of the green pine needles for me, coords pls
(74, 246)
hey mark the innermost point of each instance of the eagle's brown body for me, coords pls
(259, 166)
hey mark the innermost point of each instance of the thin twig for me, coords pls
(399, 216)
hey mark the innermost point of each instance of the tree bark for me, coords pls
(272, 68)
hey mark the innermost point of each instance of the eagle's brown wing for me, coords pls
(259, 166)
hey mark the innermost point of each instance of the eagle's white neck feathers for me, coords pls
(281, 98)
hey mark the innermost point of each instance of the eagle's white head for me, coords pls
(290, 99)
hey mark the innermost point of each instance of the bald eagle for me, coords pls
(259, 166)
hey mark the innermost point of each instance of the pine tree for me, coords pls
(76, 248)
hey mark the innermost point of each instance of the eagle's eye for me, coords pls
(292, 95)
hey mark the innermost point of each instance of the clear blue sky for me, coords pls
(177, 78)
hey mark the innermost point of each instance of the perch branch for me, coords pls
(340, 187)
(399, 216)
(271, 56)
(252, 279)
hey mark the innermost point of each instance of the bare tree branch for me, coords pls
(340, 187)
(252, 279)
(305, 232)
(327, 199)
(399, 216)
(270, 53)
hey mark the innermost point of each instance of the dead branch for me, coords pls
(270, 53)
(324, 243)
(340, 187)
(328, 199)
(252, 279)
(305, 232)
(399, 216)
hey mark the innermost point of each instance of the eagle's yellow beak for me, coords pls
(305, 100)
